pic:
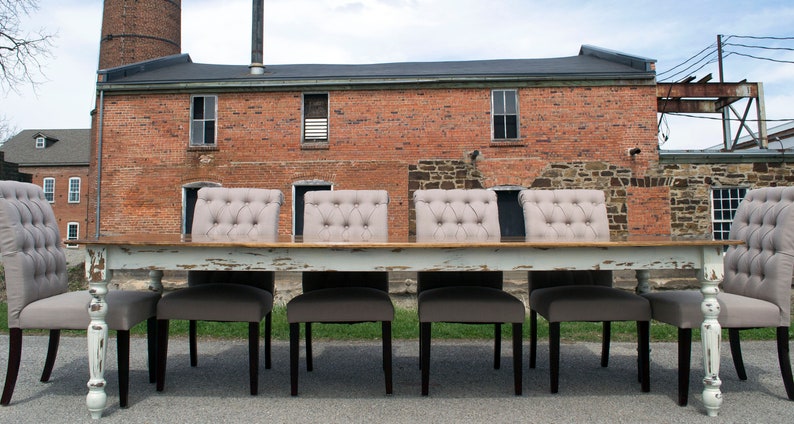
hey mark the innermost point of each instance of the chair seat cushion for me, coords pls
(341, 304)
(469, 304)
(682, 309)
(589, 303)
(216, 302)
(69, 311)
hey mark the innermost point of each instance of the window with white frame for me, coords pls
(724, 202)
(49, 189)
(74, 190)
(203, 113)
(41, 142)
(72, 232)
(315, 117)
(504, 113)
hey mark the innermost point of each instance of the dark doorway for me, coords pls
(299, 190)
(511, 215)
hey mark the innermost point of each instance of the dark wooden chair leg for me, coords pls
(425, 357)
(309, 355)
(533, 337)
(52, 352)
(162, 352)
(497, 346)
(387, 355)
(684, 357)
(294, 342)
(736, 352)
(253, 357)
(123, 358)
(268, 338)
(518, 362)
(14, 358)
(785, 360)
(151, 348)
(554, 356)
(606, 338)
(192, 335)
(644, 352)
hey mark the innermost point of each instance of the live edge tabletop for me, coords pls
(159, 252)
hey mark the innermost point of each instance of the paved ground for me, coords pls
(347, 387)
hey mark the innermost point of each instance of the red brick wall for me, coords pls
(134, 31)
(66, 212)
(373, 138)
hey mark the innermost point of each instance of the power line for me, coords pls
(762, 58)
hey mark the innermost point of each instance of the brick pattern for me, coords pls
(66, 212)
(134, 31)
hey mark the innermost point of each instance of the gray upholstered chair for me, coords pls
(568, 296)
(342, 297)
(37, 288)
(226, 296)
(756, 289)
(470, 297)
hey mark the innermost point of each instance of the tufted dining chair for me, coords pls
(37, 288)
(469, 297)
(755, 291)
(226, 296)
(581, 295)
(348, 297)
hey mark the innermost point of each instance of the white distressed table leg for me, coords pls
(156, 281)
(643, 281)
(98, 278)
(711, 332)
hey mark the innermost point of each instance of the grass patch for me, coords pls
(406, 327)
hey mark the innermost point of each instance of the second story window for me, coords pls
(504, 112)
(49, 189)
(203, 112)
(41, 142)
(74, 190)
(315, 117)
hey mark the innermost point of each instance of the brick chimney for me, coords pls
(138, 30)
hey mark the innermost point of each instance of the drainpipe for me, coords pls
(99, 160)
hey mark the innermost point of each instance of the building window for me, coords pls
(202, 120)
(315, 117)
(72, 233)
(504, 111)
(41, 142)
(74, 190)
(724, 202)
(49, 189)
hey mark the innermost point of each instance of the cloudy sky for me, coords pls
(374, 31)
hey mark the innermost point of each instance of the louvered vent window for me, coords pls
(315, 117)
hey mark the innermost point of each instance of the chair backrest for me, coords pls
(30, 243)
(345, 215)
(236, 211)
(762, 267)
(565, 215)
(456, 215)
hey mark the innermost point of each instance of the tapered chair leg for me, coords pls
(644, 354)
(554, 356)
(736, 352)
(497, 346)
(309, 361)
(294, 342)
(253, 357)
(151, 347)
(123, 358)
(518, 362)
(387, 355)
(14, 358)
(162, 352)
(52, 352)
(533, 337)
(268, 338)
(606, 337)
(785, 360)
(192, 343)
(425, 356)
(684, 357)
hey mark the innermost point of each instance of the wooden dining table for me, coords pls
(161, 252)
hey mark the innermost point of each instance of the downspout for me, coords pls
(99, 159)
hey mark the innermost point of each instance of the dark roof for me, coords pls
(68, 147)
(591, 63)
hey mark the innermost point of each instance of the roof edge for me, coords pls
(110, 74)
(637, 62)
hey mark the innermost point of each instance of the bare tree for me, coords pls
(20, 52)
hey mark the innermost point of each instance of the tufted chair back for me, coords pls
(456, 215)
(30, 243)
(565, 215)
(236, 211)
(762, 267)
(345, 215)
